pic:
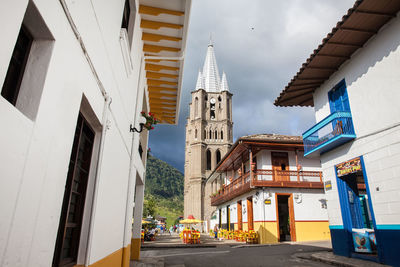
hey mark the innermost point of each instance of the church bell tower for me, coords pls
(208, 136)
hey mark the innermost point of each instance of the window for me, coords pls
(17, 65)
(216, 134)
(69, 229)
(210, 135)
(228, 113)
(208, 160)
(222, 135)
(26, 73)
(218, 156)
(126, 15)
(196, 107)
(128, 21)
(195, 133)
(205, 134)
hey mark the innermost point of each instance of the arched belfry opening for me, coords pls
(218, 156)
(208, 158)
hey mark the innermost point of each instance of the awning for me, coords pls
(361, 22)
(164, 25)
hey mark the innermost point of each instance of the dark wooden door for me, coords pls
(280, 162)
(69, 230)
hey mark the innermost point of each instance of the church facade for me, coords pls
(208, 136)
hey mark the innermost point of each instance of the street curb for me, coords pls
(342, 261)
(331, 261)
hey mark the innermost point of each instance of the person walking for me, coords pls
(216, 231)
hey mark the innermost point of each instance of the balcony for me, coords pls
(267, 178)
(331, 132)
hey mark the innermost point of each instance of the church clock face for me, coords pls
(212, 100)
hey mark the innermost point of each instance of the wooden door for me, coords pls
(285, 218)
(69, 229)
(292, 219)
(239, 215)
(250, 221)
(280, 162)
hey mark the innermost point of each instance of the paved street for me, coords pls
(170, 251)
(275, 255)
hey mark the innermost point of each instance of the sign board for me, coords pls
(347, 167)
(328, 185)
(267, 201)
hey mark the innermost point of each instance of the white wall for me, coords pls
(373, 81)
(307, 208)
(35, 153)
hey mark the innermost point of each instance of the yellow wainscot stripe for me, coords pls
(135, 248)
(267, 232)
(312, 230)
(114, 259)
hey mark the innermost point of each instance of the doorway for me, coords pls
(250, 219)
(285, 217)
(219, 219)
(69, 229)
(280, 162)
(239, 215)
(228, 218)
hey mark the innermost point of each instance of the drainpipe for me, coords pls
(105, 124)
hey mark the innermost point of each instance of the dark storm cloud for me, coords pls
(260, 45)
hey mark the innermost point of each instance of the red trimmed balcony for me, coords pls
(267, 178)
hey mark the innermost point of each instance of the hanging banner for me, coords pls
(347, 167)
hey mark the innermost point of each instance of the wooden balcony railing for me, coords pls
(267, 178)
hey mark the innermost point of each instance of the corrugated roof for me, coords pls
(361, 22)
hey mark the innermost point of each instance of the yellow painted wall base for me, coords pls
(135, 248)
(312, 231)
(126, 256)
(267, 232)
(114, 259)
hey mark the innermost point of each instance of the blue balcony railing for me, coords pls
(333, 131)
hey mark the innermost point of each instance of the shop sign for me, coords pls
(328, 185)
(348, 167)
(267, 202)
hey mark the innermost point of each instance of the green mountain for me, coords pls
(163, 190)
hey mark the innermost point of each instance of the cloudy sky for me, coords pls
(258, 63)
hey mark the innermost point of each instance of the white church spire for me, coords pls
(224, 83)
(210, 71)
(200, 81)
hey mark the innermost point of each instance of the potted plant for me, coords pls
(150, 120)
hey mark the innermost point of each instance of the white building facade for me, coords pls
(281, 197)
(357, 133)
(75, 77)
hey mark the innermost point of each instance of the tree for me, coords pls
(149, 206)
